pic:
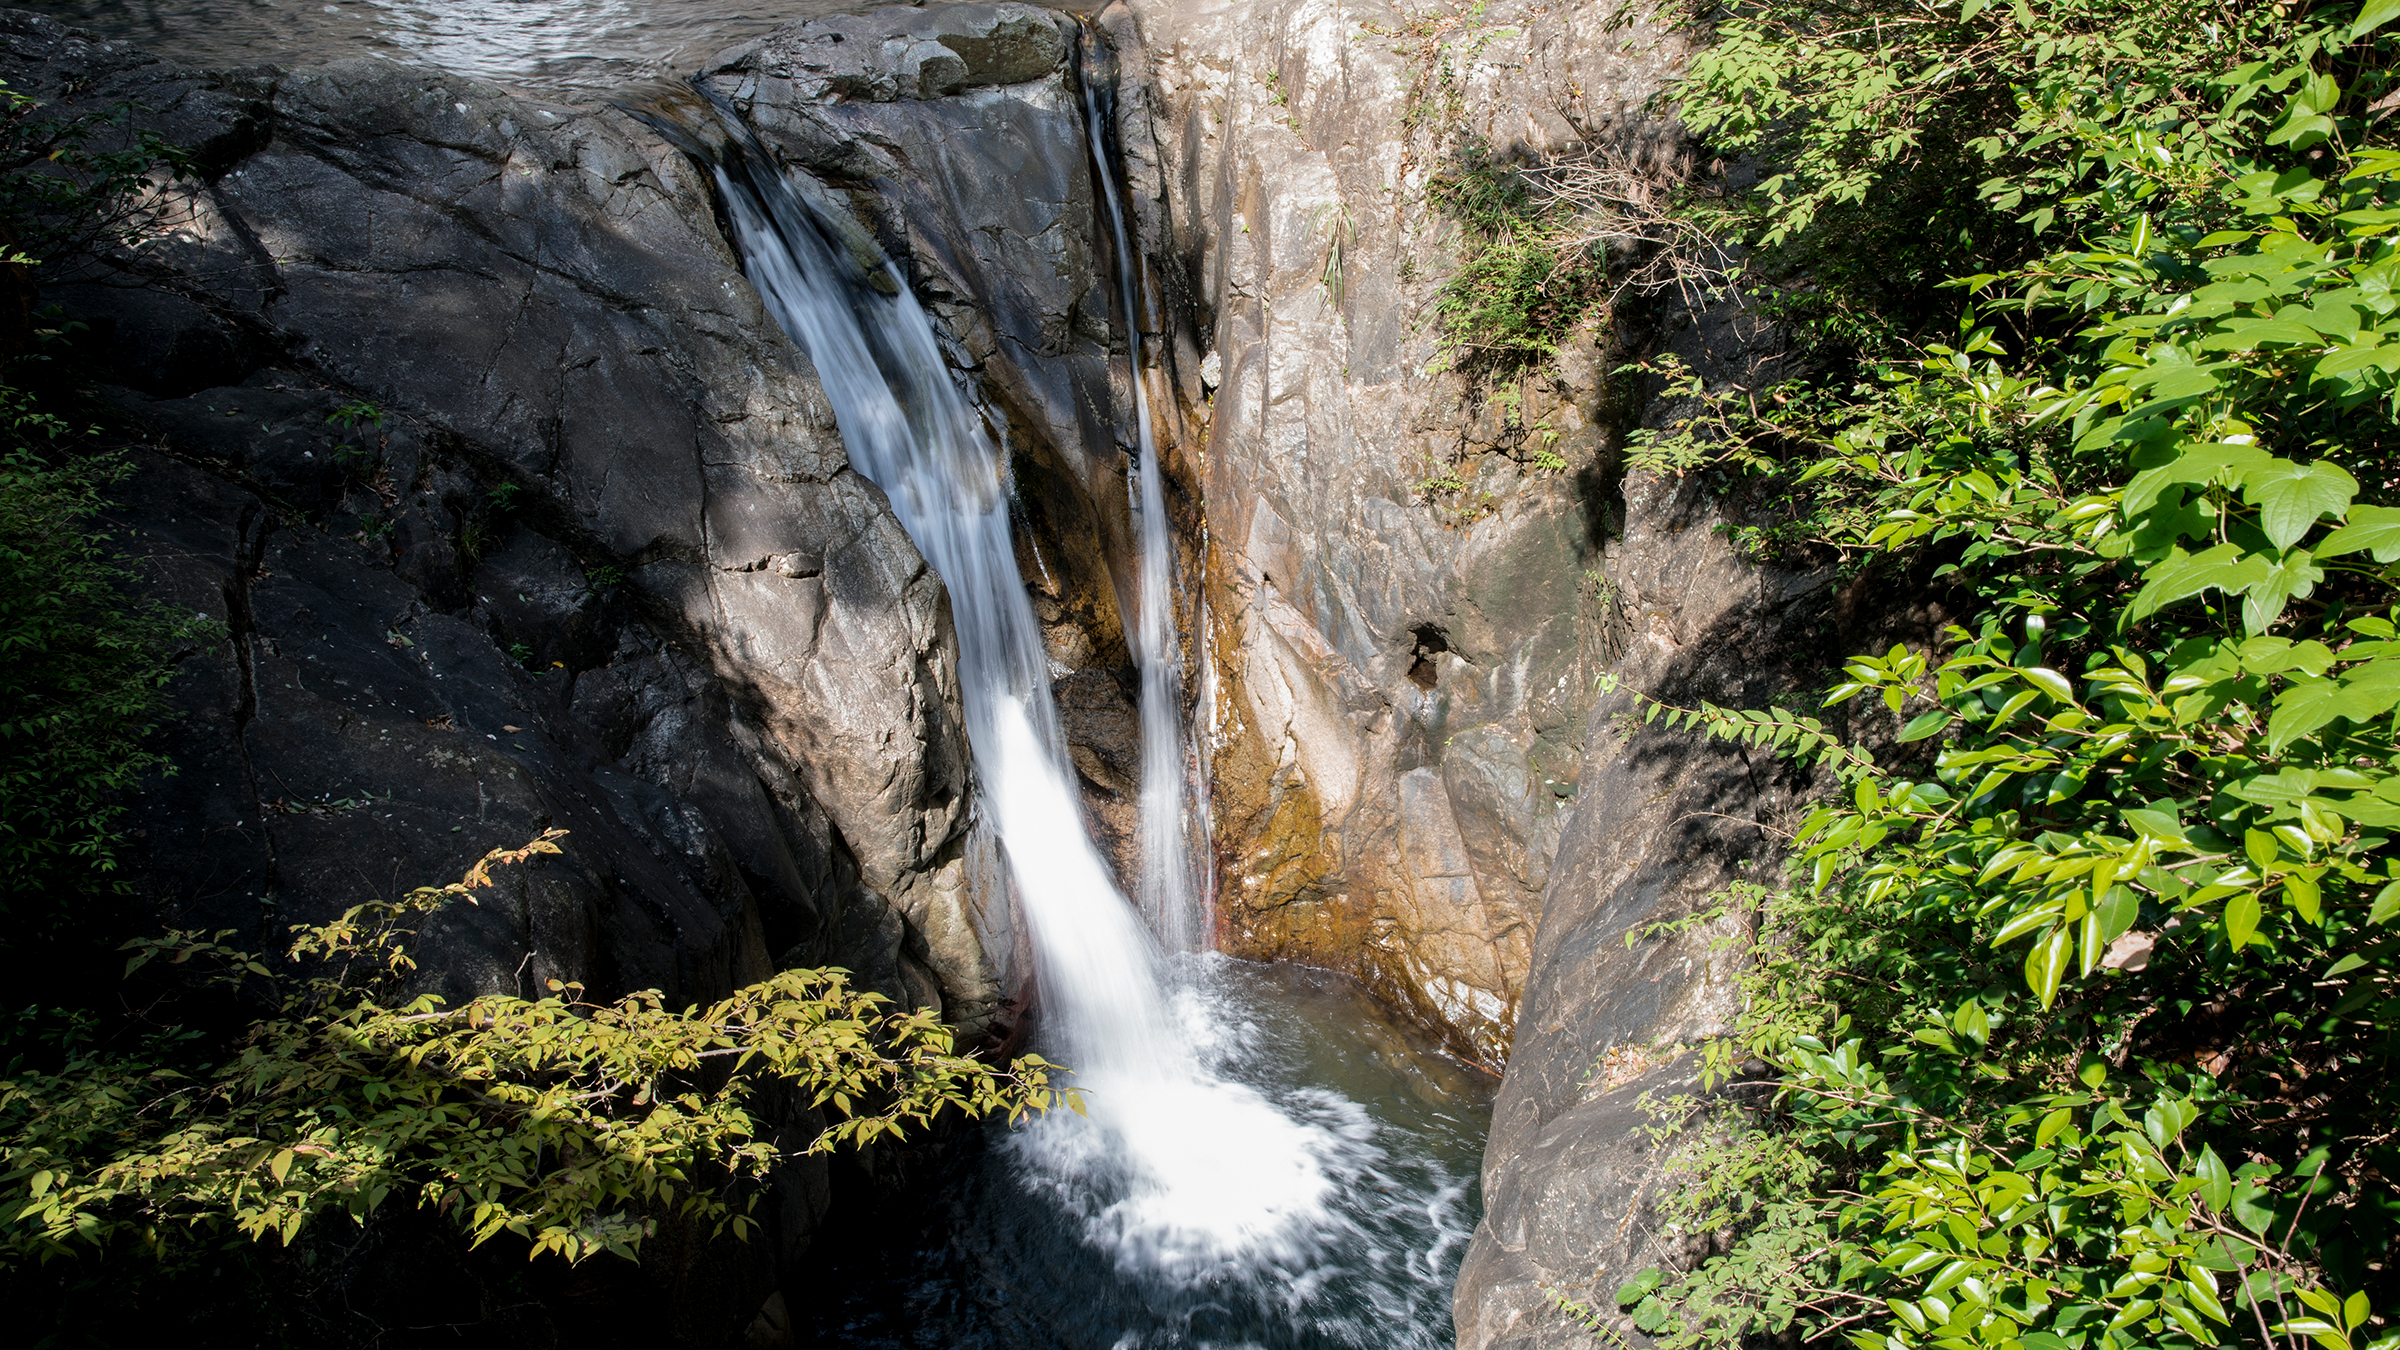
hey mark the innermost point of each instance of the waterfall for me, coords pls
(1167, 859)
(1173, 1169)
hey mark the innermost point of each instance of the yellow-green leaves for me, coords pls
(559, 1120)
(2046, 963)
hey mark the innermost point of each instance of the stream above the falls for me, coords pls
(993, 1252)
(556, 48)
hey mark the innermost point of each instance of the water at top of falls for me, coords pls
(1168, 894)
(1178, 1169)
(560, 48)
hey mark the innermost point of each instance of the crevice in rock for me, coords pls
(1423, 671)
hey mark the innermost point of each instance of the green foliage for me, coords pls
(1524, 286)
(1906, 142)
(81, 671)
(81, 664)
(570, 1124)
(2079, 1017)
(1528, 276)
(354, 414)
(69, 182)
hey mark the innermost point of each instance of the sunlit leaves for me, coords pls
(2292, 498)
(2140, 806)
(573, 1125)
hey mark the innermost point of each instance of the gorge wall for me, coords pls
(1409, 602)
(1418, 584)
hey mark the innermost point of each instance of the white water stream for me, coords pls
(1168, 892)
(1177, 1170)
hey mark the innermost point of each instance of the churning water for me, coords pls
(996, 1252)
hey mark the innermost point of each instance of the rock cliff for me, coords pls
(521, 513)
(1407, 601)
(1418, 582)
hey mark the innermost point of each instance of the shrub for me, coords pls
(571, 1124)
(82, 668)
(2080, 1037)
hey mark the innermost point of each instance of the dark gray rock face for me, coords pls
(522, 514)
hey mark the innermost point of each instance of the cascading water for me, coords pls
(1200, 1170)
(1167, 889)
(1185, 1191)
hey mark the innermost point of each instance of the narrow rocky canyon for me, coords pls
(457, 407)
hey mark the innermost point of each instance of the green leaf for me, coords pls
(2290, 497)
(2253, 1206)
(2241, 918)
(2296, 573)
(2373, 15)
(2216, 1182)
(2117, 912)
(2283, 785)
(2050, 682)
(2371, 529)
(2179, 576)
(2046, 963)
(2355, 357)
(2276, 656)
(2170, 385)
(2387, 904)
(2200, 462)
(2306, 705)
(2026, 922)
(1926, 724)
(1972, 1021)
(2301, 893)
(1636, 1289)
(2160, 825)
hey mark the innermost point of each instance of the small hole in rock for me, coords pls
(1431, 642)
